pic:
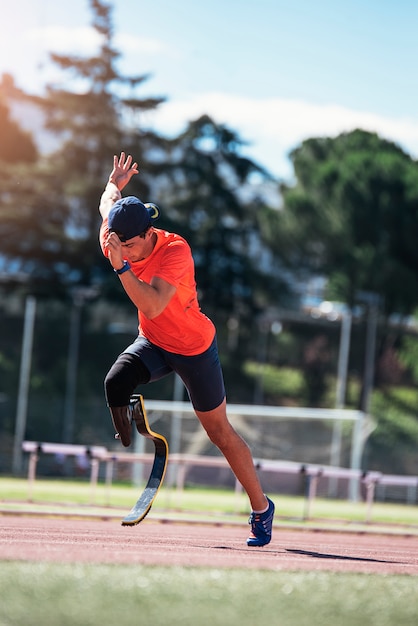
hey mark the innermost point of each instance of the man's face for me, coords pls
(138, 248)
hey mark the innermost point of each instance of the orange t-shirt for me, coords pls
(181, 328)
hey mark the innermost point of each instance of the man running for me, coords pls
(156, 270)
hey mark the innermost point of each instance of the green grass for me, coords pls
(216, 504)
(68, 595)
(35, 593)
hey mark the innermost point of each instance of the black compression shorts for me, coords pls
(201, 374)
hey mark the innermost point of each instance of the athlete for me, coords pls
(156, 270)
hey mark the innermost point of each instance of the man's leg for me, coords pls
(124, 376)
(236, 452)
(122, 423)
(239, 457)
(203, 378)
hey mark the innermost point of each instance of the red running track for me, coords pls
(157, 543)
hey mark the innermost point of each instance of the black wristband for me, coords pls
(125, 267)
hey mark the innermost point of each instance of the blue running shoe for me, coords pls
(261, 526)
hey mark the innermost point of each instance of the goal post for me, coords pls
(178, 410)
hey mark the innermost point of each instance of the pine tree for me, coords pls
(95, 115)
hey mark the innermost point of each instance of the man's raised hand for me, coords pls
(123, 170)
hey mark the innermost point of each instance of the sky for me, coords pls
(275, 71)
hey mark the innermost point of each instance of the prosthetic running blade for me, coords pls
(147, 497)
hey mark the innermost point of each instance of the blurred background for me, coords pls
(306, 261)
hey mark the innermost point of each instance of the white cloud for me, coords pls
(128, 44)
(59, 39)
(274, 126)
(86, 40)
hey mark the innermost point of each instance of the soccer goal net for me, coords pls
(302, 436)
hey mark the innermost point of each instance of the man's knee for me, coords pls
(221, 433)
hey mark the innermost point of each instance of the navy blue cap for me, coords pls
(129, 217)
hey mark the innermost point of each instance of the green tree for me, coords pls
(35, 247)
(353, 217)
(54, 203)
(207, 186)
(409, 354)
(16, 145)
(212, 202)
(21, 177)
(96, 122)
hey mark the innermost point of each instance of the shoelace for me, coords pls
(255, 518)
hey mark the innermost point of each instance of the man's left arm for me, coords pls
(121, 174)
(110, 195)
